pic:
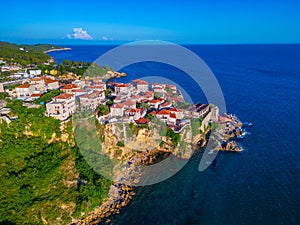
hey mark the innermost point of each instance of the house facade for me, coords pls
(92, 100)
(61, 107)
(25, 90)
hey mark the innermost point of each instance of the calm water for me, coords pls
(261, 84)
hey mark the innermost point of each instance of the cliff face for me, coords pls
(143, 141)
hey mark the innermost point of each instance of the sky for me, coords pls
(184, 22)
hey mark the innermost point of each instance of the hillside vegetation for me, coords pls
(44, 178)
(25, 54)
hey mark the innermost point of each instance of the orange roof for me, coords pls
(176, 110)
(164, 112)
(24, 86)
(142, 120)
(173, 116)
(36, 95)
(153, 113)
(118, 105)
(153, 101)
(63, 96)
(95, 87)
(122, 85)
(138, 81)
(49, 81)
(130, 102)
(69, 86)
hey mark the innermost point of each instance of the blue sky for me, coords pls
(203, 22)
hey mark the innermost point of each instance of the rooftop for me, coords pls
(63, 96)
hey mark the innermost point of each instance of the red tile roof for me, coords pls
(142, 121)
(118, 105)
(165, 104)
(95, 87)
(79, 90)
(129, 102)
(173, 116)
(153, 113)
(122, 85)
(24, 86)
(69, 86)
(164, 112)
(154, 101)
(176, 110)
(36, 95)
(63, 96)
(138, 81)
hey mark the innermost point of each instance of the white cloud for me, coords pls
(79, 33)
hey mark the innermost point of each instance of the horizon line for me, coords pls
(112, 43)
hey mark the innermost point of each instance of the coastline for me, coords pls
(122, 190)
(57, 49)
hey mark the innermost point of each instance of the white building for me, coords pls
(44, 83)
(123, 89)
(61, 107)
(141, 85)
(92, 100)
(35, 72)
(25, 90)
(117, 109)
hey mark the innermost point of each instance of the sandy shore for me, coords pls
(57, 49)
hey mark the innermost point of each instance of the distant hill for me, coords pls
(26, 54)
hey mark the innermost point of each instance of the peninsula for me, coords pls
(137, 123)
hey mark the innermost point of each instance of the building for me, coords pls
(163, 115)
(35, 72)
(155, 103)
(44, 83)
(99, 87)
(25, 90)
(198, 110)
(35, 96)
(61, 107)
(117, 109)
(92, 100)
(177, 112)
(99, 83)
(171, 88)
(141, 85)
(135, 114)
(51, 84)
(165, 105)
(78, 92)
(158, 85)
(123, 89)
(129, 104)
(69, 87)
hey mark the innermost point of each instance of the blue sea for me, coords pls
(261, 185)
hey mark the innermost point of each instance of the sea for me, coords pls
(261, 185)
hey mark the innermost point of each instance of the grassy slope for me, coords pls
(40, 167)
